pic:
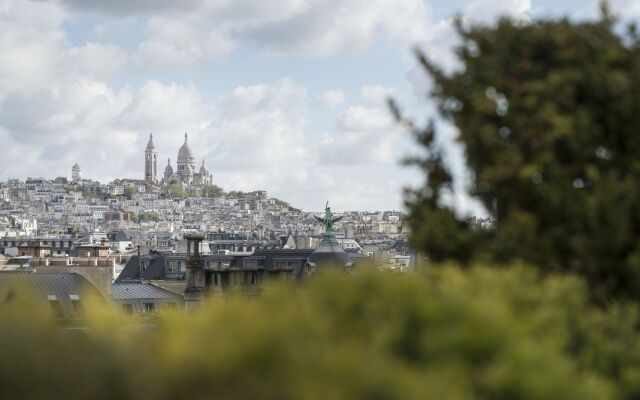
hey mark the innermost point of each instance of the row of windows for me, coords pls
(253, 264)
(247, 278)
(148, 307)
(286, 264)
(53, 243)
(175, 266)
(218, 264)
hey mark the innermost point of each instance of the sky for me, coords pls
(286, 96)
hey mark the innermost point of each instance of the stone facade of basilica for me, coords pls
(186, 167)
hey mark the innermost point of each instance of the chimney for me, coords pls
(194, 291)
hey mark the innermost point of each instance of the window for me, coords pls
(55, 305)
(127, 308)
(149, 307)
(274, 275)
(78, 309)
(252, 278)
(281, 264)
(145, 265)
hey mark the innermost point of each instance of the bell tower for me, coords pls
(151, 162)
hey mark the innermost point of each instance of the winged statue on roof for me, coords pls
(329, 219)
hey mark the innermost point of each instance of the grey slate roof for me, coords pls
(330, 254)
(265, 259)
(118, 236)
(141, 291)
(40, 286)
(131, 270)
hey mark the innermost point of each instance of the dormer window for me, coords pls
(78, 308)
(56, 309)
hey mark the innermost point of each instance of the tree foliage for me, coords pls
(177, 190)
(214, 191)
(129, 191)
(233, 194)
(285, 204)
(547, 113)
(447, 334)
(144, 216)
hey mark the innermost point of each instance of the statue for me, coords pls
(328, 220)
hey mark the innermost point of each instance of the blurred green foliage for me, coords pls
(547, 114)
(443, 334)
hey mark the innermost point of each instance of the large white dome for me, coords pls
(185, 154)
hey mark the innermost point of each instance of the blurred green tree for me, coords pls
(446, 334)
(547, 114)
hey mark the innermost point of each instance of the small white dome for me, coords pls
(168, 171)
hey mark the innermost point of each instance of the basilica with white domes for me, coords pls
(186, 167)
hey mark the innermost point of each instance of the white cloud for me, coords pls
(30, 40)
(309, 27)
(65, 121)
(489, 10)
(332, 98)
(165, 108)
(365, 119)
(625, 8)
(128, 7)
(335, 26)
(363, 136)
(378, 94)
(258, 131)
(97, 60)
(173, 42)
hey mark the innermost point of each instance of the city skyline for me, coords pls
(301, 115)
